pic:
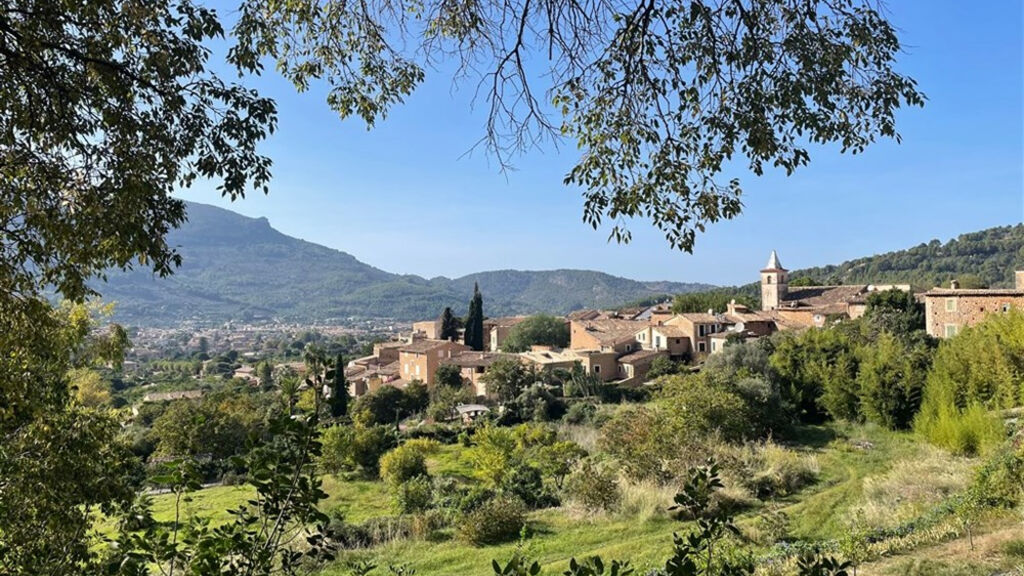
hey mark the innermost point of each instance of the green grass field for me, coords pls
(866, 473)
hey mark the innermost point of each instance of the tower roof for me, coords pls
(773, 262)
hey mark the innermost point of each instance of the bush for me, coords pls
(403, 464)
(525, 483)
(968, 432)
(594, 487)
(442, 433)
(368, 445)
(496, 521)
(336, 448)
(580, 413)
(414, 495)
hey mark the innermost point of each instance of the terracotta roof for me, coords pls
(827, 299)
(701, 317)
(392, 344)
(550, 356)
(747, 317)
(671, 331)
(421, 346)
(612, 332)
(584, 314)
(938, 292)
(640, 356)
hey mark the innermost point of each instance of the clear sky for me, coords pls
(406, 198)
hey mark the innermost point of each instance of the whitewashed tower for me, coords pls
(774, 283)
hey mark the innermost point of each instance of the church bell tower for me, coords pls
(774, 283)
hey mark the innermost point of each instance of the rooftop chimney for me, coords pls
(954, 284)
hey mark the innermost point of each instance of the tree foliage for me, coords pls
(449, 325)
(474, 335)
(540, 329)
(973, 372)
(507, 378)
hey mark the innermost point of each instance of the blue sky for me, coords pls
(405, 197)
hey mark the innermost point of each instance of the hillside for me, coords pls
(241, 268)
(990, 254)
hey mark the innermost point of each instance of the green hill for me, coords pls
(991, 255)
(986, 258)
(239, 268)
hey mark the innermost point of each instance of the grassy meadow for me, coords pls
(867, 477)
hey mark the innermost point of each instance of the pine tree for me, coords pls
(449, 326)
(339, 389)
(474, 337)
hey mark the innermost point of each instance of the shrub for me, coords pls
(968, 432)
(403, 464)
(414, 495)
(498, 520)
(1001, 479)
(369, 444)
(525, 483)
(698, 405)
(640, 439)
(594, 487)
(580, 413)
(336, 448)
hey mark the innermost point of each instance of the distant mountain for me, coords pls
(240, 268)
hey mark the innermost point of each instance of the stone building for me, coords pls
(813, 305)
(948, 310)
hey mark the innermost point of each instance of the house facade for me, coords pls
(949, 310)
(420, 359)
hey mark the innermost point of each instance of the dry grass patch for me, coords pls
(911, 487)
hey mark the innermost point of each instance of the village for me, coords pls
(621, 345)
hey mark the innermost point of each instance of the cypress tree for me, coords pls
(449, 327)
(339, 389)
(475, 322)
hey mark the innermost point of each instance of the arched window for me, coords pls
(769, 279)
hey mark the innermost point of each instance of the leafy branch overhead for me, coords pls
(660, 97)
(109, 106)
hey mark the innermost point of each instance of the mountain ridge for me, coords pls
(241, 268)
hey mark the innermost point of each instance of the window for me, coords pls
(440, 353)
(950, 330)
(714, 345)
(1006, 307)
(657, 341)
(629, 347)
(678, 340)
(700, 347)
(950, 304)
(597, 369)
(769, 279)
(700, 330)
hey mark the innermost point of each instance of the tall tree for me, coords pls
(339, 389)
(266, 375)
(449, 325)
(474, 336)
